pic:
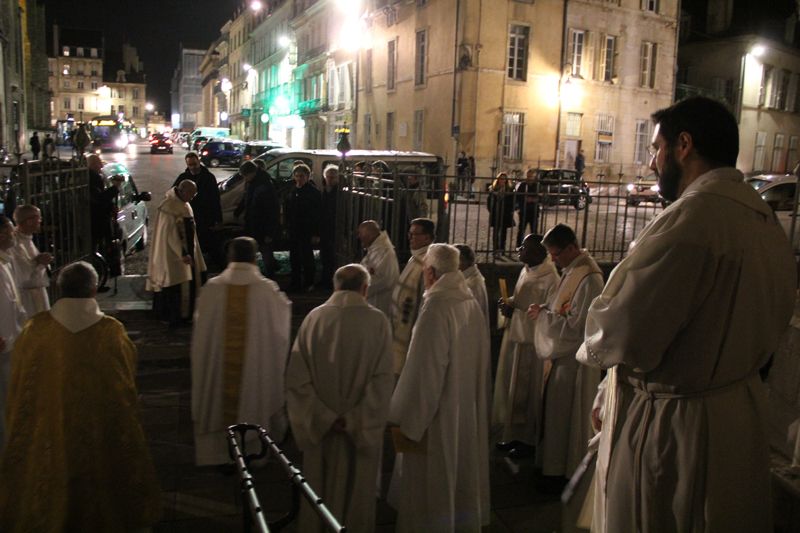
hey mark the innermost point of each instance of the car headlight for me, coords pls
(122, 142)
(630, 187)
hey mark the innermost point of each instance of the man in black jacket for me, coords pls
(327, 244)
(305, 205)
(259, 204)
(527, 200)
(207, 208)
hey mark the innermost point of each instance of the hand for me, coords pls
(187, 260)
(597, 422)
(314, 241)
(506, 309)
(533, 311)
(44, 259)
(339, 425)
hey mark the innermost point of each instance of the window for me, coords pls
(332, 87)
(647, 75)
(791, 94)
(368, 71)
(67, 103)
(419, 117)
(135, 93)
(791, 154)
(121, 109)
(94, 70)
(518, 52)
(578, 37)
(605, 138)
(781, 197)
(80, 51)
(65, 51)
(135, 111)
(608, 62)
(79, 84)
(780, 89)
(389, 131)
(766, 84)
(94, 85)
(758, 153)
(344, 81)
(641, 152)
(80, 103)
(391, 65)
(420, 55)
(650, 5)
(93, 52)
(723, 89)
(67, 84)
(122, 92)
(778, 161)
(513, 129)
(368, 130)
(574, 124)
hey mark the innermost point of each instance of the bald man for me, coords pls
(176, 263)
(380, 261)
(30, 266)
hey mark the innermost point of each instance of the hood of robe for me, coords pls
(419, 253)
(240, 274)
(729, 183)
(346, 299)
(472, 272)
(381, 241)
(76, 314)
(451, 284)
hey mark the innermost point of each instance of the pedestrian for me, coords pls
(305, 205)
(570, 387)
(407, 295)
(687, 320)
(36, 145)
(261, 210)
(500, 204)
(77, 461)
(580, 163)
(80, 140)
(380, 260)
(12, 317)
(527, 199)
(440, 407)
(102, 206)
(327, 238)
(206, 207)
(519, 383)
(462, 173)
(30, 266)
(239, 345)
(474, 279)
(48, 146)
(338, 386)
(175, 266)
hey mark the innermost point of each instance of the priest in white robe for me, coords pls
(684, 325)
(519, 384)
(30, 265)
(570, 386)
(338, 386)
(475, 280)
(240, 344)
(440, 407)
(12, 314)
(380, 260)
(175, 266)
(407, 295)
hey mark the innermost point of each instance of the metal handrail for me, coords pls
(253, 513)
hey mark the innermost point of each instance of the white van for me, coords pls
(281, 161)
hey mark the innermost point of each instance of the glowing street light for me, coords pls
(149, 107)
(758, 50)
(247, 67)
(284, 41)
(226, 85)
(256, 6)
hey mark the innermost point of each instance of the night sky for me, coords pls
(154, 27)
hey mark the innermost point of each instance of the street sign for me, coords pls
(245, 112)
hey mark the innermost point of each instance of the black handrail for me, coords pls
(253, 513)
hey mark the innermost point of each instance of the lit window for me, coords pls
(513, 129)
(518, 52)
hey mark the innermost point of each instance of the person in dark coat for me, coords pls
(36, 146)
(327, 236)
(48, 145)
(580, 163)
(260, 207)
(303, 218)
(501, 211)
(102, 206)
(527, 198)
(207, 209)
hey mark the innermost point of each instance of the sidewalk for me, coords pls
(203, 499)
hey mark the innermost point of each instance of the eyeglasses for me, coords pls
(653, 150)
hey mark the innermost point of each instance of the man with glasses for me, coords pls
(684, 325)
(407, 296)
(175, 266)
(570, 387)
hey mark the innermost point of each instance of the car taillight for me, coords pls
(205, 152)
(169, 142)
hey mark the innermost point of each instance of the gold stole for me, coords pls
(234, 348)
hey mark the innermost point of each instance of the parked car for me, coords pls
(758, 181)
(558, 186)
(132, 213)
(253, 149)
(779, 194)
(160, 143)
(645, 189)
(218, 153)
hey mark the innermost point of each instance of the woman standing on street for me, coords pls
(501, 211)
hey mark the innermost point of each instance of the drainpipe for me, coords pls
(564, 37)
(455, 83)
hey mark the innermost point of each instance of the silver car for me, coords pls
(132, 211)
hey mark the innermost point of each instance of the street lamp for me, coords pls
(343, 146)
(256, 5)
(148, 108)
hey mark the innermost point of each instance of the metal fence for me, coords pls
(605, 220)
(60, 189)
